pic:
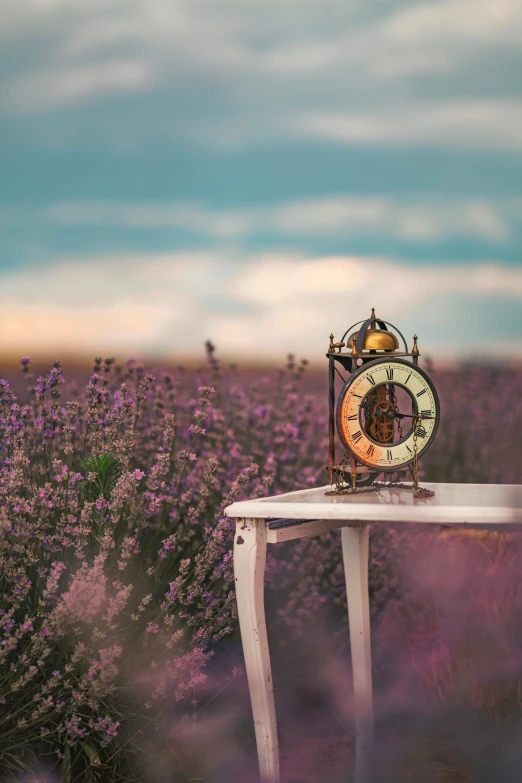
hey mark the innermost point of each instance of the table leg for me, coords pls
(249, 570)
(355, 556)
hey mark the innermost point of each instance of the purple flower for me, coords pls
(145, 553)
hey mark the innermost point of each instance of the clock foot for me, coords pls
(340, 475)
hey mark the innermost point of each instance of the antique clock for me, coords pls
(387, 412)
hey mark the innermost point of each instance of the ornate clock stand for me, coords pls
(385, 393)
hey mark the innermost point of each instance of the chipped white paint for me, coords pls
(485, 506)
(249, 571)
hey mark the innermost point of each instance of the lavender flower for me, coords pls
(116, 568)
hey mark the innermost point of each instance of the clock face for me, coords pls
(376, 409)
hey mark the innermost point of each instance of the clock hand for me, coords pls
(412, 416)
(391, 414)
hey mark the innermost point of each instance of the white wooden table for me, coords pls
(311, 512)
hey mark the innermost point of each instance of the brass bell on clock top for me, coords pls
(387, 412)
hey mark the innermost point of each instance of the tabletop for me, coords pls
(498, 506)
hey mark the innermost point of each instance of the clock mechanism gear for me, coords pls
(379, 407)
(379, 414)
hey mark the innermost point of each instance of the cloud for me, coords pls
(491, 124)
(442, 37)
(188, 216)
(61, 87)
(84, 306)
(325, 70)
(297, 302)
(87, 50)
(425, 220)
(494, 22)
(405, 42)
(263, 306)
(390, 284)
(47, 328)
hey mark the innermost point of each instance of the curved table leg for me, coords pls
(249, 570)
(355, 556)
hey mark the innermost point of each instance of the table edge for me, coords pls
(269, 507)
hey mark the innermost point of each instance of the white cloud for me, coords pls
(389, 284)
(263, 306)
(425, 219)
(62, 86)
(48, 328)
(299, 301)
(400, 43)
(322, 70)
(78, 304)
(189, 216)
(88, 50)
(441, 37)
(476, 21)
(492, 124)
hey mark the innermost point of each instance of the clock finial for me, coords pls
(373, 319)
(415, 349)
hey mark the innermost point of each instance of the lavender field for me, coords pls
(120, 657)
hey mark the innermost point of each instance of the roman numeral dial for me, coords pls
(386, 409)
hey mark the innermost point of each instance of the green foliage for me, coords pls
(104, 469)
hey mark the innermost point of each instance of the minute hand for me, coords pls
(411, 416)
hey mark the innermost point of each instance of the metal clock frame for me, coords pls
(350, 362)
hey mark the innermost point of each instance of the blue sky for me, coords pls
(259, 173)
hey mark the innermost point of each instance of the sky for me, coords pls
(259, 173)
